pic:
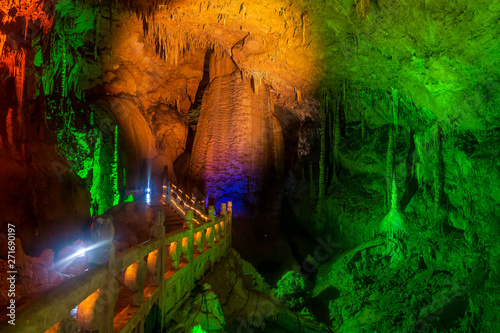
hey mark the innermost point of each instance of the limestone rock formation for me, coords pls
(234, 147)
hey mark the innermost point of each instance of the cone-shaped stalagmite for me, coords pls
(389, 166)
(393, 224)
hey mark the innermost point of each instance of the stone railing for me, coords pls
(119, 291)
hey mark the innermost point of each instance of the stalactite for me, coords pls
(97, 29)
(10, 129)
(271, 98)
(111, 32)
(362, 126)
(114, 171)
(330, 123)
(19, 63)
(336, 143)
(63, 68)
(124, 179)
(322, 182)
(96, 176)
(437, 170)
(3, 39)
(312, 187)
(299, 95)
(395, 105)
(303, 30)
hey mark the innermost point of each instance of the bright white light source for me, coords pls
(148, 198)
(148, 190)
(80, 252)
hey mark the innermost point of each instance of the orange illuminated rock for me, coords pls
(233, 149)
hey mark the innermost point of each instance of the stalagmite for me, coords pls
(19, 77)
(393, 224)
(114, 175)
(391, 144)
(389, 164)
(10, 130)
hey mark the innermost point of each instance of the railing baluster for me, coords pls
(174, 252)
(135, 275)
(199, 239)
(223, 209)
(97, 310)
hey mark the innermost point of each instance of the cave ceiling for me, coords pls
(441, 54)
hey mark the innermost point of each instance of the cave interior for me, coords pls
(358, 141)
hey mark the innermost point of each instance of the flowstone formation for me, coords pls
(234, 148)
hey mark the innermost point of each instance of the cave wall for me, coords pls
(40, 191)
(446, 179)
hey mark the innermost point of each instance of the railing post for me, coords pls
(158, 260)
(97, 311)
(211, 236)
(229, 222)
(223, 227)
(190, 247)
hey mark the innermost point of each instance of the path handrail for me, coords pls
(96, 290)
(183, 201)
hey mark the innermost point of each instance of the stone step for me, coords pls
(174, 222)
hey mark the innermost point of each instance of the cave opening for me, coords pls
(274, 166)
